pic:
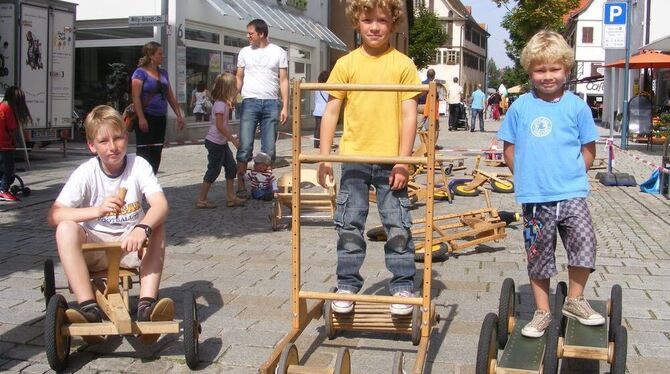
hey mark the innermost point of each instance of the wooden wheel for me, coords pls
(49, 283)
(56, 344)
(416, 325)
(618, 361)
(487, 348)
(460, 190)
(192, 331)
(507, 187)
(328, 316)
(614, 310)
(506, 311)
(275, 215)
(398, 363)
(440, 253)
(289, 356)
(342, 362)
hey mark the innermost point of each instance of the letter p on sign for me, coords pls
(615, 13)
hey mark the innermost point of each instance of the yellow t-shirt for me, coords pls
(372, 119)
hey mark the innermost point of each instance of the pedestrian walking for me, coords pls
(13, 113)
(320, 101)
(477, 104)
(454, 99)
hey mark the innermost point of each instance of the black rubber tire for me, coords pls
(618, 365)
(328, 316)
(342, 362)
(377, 234)
(559, 299)
(501, 188)
(440, 253)
(487, 348)
(506, 310)
(398, 363)
(550, 359)
(416, 325)
(458, 190)
(289, 356)
(615, 310)
(191, 327)
(25, 191)
(15, 190)
(53, 339)
(49, 283)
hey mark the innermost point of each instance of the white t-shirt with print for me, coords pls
(89, 186)
(454, 92)
(261, 71)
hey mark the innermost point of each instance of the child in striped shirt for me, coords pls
(263, 183)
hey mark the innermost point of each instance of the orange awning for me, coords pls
(643, 60)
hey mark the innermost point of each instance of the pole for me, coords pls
(624, 122)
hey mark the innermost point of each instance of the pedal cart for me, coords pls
(371, 312)
(113, 302)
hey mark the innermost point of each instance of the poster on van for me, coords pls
(32, 58)
(7, 27)
(62, 61)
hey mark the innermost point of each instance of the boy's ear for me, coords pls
(91, 147)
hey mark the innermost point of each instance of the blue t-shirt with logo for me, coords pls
(548, 138)
(477, 99)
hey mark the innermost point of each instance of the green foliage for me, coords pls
(527, 17)
(426, 34)
(117, 84)
(493, 73)
(513, 76)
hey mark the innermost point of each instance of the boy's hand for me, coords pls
(325, 170)
(399, 177)
(134, 241)
(111, 204)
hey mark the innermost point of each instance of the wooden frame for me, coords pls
(480, 177)
(300, 314)
(312, 202)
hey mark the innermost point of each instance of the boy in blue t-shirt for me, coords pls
(549, 146)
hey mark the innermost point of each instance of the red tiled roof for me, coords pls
(583, 4)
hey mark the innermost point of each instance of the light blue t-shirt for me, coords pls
(477, 99)
(547, 138)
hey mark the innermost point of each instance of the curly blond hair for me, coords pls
(547, 47)
(355, 7)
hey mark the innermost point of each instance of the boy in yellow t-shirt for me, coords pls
(375, 124)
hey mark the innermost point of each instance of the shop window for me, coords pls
(452, 57)
(233, 41)
(202, 36)
(202, 65)
(587, 35)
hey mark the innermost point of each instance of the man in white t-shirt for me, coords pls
(454, 99)
(262, 73)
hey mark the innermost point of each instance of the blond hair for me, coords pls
(355, 7)
(547, 47)
(225, 88)
(102, 116)
(148, 50)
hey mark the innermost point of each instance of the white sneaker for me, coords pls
(536, 327)
(402, 309)
(342, 306)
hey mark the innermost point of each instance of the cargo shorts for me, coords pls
(97, 260)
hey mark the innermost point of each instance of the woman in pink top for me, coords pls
(218, 152)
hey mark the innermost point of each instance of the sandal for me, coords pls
(200, 204)
(243, 194)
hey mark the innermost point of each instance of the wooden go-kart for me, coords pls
(456, 231)
(319, 204)
(114, 303)
(563, 338)
(470, 187)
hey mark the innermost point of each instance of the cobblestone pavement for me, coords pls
(240, 271)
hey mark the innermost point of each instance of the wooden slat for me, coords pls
(521, 354)
(314, 158)
(108, 328)
(294, 369)
(356, 297)
(114, 308)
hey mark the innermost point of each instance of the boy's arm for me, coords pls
(59, 212)
(328, 124)
(154, 217)
(508, 154)
(588, 154)
(400, 173)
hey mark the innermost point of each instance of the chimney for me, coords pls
(468, 9)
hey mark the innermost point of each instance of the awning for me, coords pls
(661, 44)
(643, 60)
(279, 18)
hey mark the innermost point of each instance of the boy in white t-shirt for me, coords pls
(88, 209)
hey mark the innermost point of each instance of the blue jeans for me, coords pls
(477, 113)
(262, 112)
(350, 216)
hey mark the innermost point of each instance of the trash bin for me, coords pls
(639, 115)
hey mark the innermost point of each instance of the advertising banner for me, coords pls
(62, 63)
(7, 47)
(32, 59)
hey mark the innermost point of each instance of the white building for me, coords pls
(465, 52)
(584, 34)
(201, 38)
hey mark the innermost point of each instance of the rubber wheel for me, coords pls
(618, 365)
(416, 325)
(487, 348)
(328, 316)
(192, 331)
(440, 253)
(559, 299)
(501, 187)
(25, 191)
(274, 216)
(398, 363)
(49, 283)
(288, 357)
(459, 190)
(614, 310)
(506, 310)
(377, 234)
(342, 362)
(15, 190)
(550, 360)
(57, 345)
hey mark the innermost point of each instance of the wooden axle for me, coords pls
(366, 298)
(108, 328)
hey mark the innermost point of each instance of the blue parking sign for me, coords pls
(615, 14)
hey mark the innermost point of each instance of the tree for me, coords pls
(425, 35)
(493, 74)
(514, 76)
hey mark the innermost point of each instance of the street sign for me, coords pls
(135, 21)
(614, 25)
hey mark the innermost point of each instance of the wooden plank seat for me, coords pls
(315, 201)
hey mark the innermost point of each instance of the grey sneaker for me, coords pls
(580, 309)
(402, 309)
(535, 328)
(342, 306)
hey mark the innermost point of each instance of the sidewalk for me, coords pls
(240, 270)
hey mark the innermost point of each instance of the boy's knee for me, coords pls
(67, 230)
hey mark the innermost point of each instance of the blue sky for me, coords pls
(485, 11)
